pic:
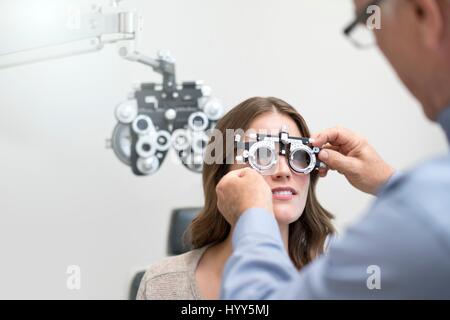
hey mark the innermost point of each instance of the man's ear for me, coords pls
(431, 22)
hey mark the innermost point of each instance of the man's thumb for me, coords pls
(337, 161)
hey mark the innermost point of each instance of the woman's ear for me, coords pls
(430, 18)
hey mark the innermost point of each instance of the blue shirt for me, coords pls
(399, 250)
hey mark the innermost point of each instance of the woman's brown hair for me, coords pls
(306, 235)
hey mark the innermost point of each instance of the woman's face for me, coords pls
(287, 207)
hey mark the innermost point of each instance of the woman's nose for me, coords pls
(282, 169)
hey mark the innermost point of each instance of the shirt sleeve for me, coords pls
(381, 257)
(395, 178)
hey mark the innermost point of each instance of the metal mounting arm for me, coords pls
(70, 28)
(164, 65)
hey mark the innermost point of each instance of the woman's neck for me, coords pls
(220, 252)
(284, 231)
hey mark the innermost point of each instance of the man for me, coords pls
(401, 248)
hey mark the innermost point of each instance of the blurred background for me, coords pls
(67, 200)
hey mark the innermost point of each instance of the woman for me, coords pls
(304, 223)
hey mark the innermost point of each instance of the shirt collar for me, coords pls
(444, 121)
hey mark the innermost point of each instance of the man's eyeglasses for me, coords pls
(358, 32)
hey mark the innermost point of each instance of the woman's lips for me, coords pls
(283, 193)
(278, 196)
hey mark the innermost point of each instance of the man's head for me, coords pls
(415, 38)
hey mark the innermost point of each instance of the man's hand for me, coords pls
(352, 156)
(240, 190)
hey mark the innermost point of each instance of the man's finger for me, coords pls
(331, 147)
(335, 136)
(235, 173)
(337, 161)
(229, 176)
(323, 172)
(244, 171)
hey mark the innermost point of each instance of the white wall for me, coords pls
(65, 199)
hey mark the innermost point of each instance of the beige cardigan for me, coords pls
(172, 279)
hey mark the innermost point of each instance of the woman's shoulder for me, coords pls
(171, 278)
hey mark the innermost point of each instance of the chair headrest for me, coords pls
(180, 220)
